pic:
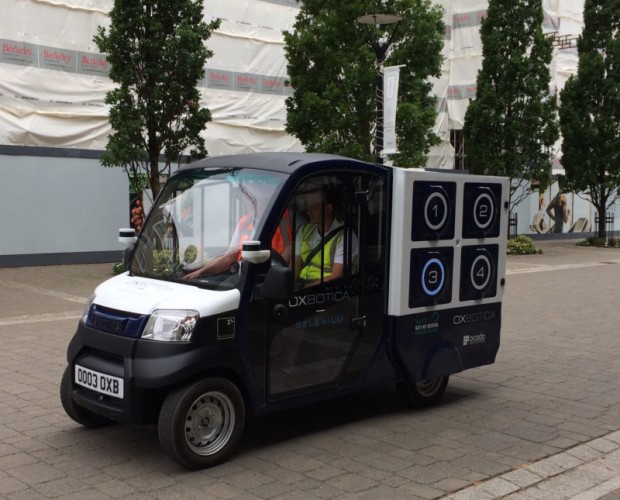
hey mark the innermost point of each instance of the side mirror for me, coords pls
(127, 236)
(278, 282)
(251, 252)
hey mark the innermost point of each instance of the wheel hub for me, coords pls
(428, 387)
(209, 423)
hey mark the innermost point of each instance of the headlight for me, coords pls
(87, 309)
(171, 325)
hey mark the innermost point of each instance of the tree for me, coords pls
(330, 66)
(590, 110)
(157, 55)
(511, 126)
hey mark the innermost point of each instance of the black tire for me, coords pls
(424, 392)
(201, 424)
(78, 413)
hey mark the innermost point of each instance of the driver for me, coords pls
(320, 243)
(281, 243)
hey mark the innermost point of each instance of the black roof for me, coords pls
(279, 162)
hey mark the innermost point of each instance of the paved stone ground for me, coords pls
(542, 422)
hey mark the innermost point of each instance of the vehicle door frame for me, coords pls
(366, 175)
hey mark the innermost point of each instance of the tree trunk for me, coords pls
(601, 228)
(154, 174)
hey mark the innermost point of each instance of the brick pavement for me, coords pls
(543, 422)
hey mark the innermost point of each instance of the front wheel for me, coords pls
(77, 413)
(201, 424)
(423, 392)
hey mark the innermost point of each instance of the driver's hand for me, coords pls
(193, 275)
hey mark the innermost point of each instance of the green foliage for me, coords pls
(138, 181)
(590, 112)
(157, 54)
(595, 241)
(521, 245)
(118, 268)
(190, 254)
(330, 65)
(165, 263)
(511, 126)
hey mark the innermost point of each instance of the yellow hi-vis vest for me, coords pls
(312, 270)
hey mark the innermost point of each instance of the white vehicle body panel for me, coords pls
(144, 295)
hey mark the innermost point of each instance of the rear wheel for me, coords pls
(423, 392)
(78, 413)
(201, 424)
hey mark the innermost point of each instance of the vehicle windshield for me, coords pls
(197, 225)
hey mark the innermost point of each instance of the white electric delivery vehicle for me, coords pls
(223, 313)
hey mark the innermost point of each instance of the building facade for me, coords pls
(65, 207)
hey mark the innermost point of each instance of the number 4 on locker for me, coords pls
(478, 272)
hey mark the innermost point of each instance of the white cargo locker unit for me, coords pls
(446, 271)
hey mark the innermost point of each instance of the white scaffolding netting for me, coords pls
(463, 59)
(53, 81)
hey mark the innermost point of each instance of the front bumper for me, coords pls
(149, 370)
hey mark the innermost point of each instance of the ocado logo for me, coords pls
(474, 339)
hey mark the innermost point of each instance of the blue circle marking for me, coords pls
(443, 272)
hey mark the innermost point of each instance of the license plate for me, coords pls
(100, 382)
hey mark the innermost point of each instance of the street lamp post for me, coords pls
(380, 41)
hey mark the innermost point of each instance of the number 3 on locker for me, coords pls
(433, 276)
(430, 281)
